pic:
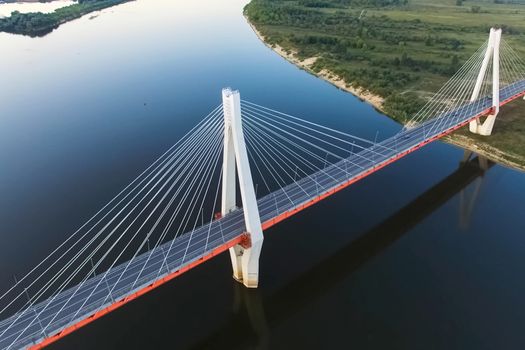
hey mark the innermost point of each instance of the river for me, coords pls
(391, 262)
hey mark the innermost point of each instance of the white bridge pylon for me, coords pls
(492, 52)
(245, 257)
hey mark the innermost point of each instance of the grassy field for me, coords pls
(402, 51)
(508, 138)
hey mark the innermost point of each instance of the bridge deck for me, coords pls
(177, 256)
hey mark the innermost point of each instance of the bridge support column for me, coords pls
(476, 126)
(245, 257)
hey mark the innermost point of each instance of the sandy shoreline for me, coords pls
(306, 64)
(377, 101)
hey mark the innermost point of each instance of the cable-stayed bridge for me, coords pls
(182, 210)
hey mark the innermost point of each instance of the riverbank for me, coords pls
(39, 24)
(514, 161)
(7, 8)
(307, 64)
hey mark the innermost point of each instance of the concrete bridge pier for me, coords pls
(244, 256)
(483, 128)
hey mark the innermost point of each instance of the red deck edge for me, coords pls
(241, 239)
(319, 198)
(137, 294)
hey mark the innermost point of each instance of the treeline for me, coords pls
(350, 3)
(38, 24)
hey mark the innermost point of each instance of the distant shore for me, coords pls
(37, 23)
(33, 6)
(377, 101)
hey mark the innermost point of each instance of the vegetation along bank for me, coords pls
(396, 54)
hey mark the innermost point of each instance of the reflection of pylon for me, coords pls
(466, 203)
(250, 300)
(467, 154)
(466, 200)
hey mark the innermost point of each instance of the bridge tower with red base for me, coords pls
(245, 256)
(492, 53)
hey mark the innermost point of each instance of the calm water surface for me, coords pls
(417, 256)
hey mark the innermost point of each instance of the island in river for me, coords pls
(39, 24)
(395, 54)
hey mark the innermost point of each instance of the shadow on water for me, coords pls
(253, 315)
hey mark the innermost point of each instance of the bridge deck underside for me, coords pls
(62, 311)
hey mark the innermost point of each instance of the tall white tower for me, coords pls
(245, 258)
(476, 126)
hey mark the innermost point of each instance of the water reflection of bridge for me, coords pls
(263, 313)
